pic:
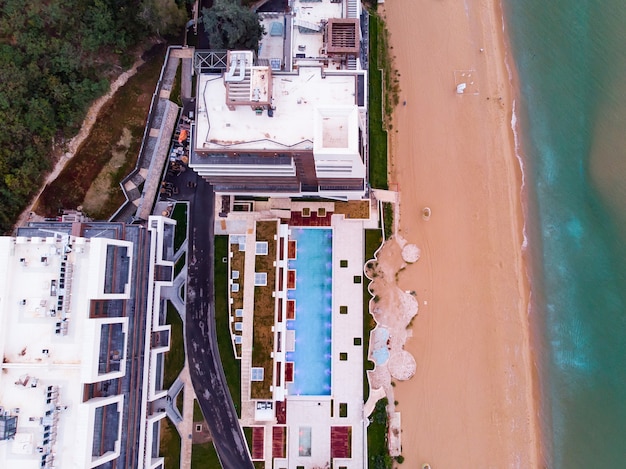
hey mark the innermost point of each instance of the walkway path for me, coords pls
(186, 56)
(392, 197)
(155, 145)
(393, 311)
(183, 421)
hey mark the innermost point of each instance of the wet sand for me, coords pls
(470, 403)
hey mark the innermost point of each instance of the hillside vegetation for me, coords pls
(56, 57)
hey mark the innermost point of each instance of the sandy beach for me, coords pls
(470, 403)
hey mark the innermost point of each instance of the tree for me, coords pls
(163, 16)
(231, 26)
(55, 58)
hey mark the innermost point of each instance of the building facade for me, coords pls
(295, 296)
(82, 336)
(292, 119)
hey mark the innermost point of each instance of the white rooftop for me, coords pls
(310, 418)
(297, 98)
(44, 344)
(312, 14)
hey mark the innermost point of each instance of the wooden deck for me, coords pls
(258, 440)
(291, 279)
(291, 309)
(314, 219)
(281, 412)
(289, 372)
(279, 439)
(291, 249)
(340, 446)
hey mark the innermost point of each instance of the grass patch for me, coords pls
(237, 262)
(175, 93)
(353, 209)
(128, 109)
(388, 219)
(204, 456)
(175, 358)
(247, 433)
(179, 401)
(377, 450)
(377, 133)
(197, 412)
(180, 234)
(180, 263)
(391, 77)
(170, 444)
(232, 366)
(264, 309)
(373, 240)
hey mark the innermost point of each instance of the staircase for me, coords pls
(307, 26)
(239, 91)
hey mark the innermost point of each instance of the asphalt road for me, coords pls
(205, 366)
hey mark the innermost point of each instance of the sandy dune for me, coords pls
(470, 403)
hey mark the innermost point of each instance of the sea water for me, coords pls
(570, 56)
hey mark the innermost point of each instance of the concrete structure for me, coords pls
(292, 120)
(290, 430)
(82, 336)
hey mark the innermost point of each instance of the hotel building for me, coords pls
(295, 295)
(292, 119)
(83, 338)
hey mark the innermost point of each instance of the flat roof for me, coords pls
(312, 14)
(311, 415)
(37, 354)
(296, 98)
(272, 44)
(28, 298)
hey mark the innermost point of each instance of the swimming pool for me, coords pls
(313, 320)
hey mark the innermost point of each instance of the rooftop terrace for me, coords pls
(296, 98)
(50, 347)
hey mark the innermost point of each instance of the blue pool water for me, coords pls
(313, 323)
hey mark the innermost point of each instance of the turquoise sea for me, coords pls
(570, 57)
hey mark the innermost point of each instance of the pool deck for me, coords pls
(320, 414)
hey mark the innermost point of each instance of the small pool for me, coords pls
(313, 313)
(378, 343)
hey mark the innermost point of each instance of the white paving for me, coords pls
(317, 414)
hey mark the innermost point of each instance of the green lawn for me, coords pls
(180, 263)
(180, 397)
(197, 412)
(204, 456)
(175, 94)
(378, 453)
(247, 433)
(388, 219)
(232, 366)
(264, 311)
(175, 358)
(180, 215)
(377, 134)
(373, 239)
(170, 444)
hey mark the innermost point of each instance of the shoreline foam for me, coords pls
(541, 446)
(474, 398)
